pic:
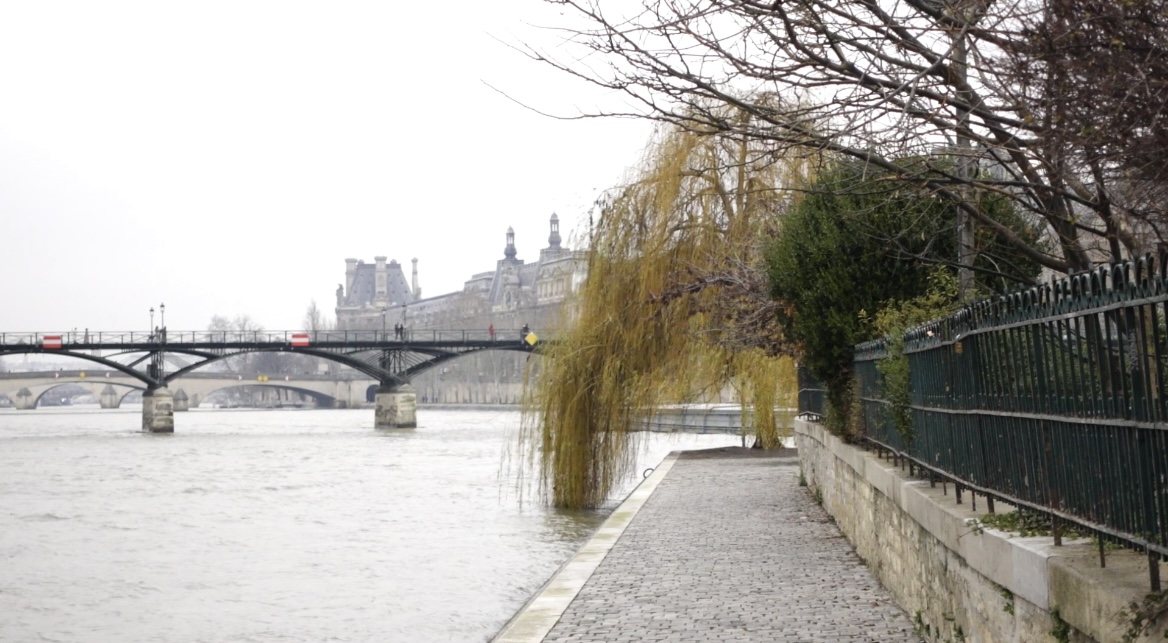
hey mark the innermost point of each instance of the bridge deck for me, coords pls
(202, 339)
(727, 547)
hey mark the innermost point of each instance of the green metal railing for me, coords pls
(1053, 399)
(812, 399)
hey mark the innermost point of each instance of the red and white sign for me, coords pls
(51, 341)
(300, 339)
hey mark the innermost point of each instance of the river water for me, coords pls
(275, 526)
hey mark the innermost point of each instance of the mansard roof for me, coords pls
(364, 288)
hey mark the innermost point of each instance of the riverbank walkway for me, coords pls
(716, 545)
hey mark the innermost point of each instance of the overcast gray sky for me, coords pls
(226, 157)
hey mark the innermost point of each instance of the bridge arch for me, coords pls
(117, 366)
(352, 359)
(95, 386)
(46, 392)
(489, 377)
(441, 357)
(343, 359)
(327, 400)
(343, 392)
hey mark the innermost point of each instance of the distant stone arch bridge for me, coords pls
(110, 387)
(152, 361)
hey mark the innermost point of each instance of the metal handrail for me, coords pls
(1053, 399)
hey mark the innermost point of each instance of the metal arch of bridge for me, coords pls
(340, 358)
(128, 370)
(438, 359)
(373, 353)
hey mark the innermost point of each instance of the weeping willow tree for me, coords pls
(674, 309)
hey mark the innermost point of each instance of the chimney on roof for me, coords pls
(381, 289)
(509, 250)
(554, 237)
(414, 281)
(350, 276)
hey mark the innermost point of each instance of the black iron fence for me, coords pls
(1054, 399)
(811, 395)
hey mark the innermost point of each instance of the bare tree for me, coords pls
(228, 330)
(1097, 72)
(243, 323)
(880, 80)
(220, 324)
(315, 319)
(243, 327)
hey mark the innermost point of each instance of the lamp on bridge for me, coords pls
(152, 321)
(162, 312)
(383, 311)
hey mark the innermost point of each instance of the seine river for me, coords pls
(274, 526)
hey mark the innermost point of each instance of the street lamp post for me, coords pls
(162, 322)
(383, 311)
(154, 368)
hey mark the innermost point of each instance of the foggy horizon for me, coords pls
(225, 159)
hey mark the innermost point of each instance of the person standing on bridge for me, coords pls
(491, 332)
(523, 333)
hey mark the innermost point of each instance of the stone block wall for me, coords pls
(958, 582)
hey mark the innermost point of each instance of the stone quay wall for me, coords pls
(956, 581)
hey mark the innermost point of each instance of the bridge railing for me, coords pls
(73, 338)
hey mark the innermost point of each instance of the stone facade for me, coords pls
(515, 293)
(512, 295)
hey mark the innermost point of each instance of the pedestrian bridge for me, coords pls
(152, 361)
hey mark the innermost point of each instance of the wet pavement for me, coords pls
(727, 547)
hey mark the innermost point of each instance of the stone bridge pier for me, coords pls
(181, 401)
(24, 400)
(110, 398)
(396, 407)
(158, 410)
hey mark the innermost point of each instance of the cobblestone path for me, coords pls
(731, 548)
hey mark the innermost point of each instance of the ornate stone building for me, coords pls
(371, 292)
(376, 296)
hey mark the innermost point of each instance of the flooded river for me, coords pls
(274, 526)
